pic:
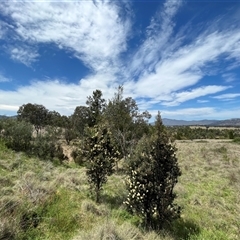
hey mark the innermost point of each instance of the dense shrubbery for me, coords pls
(19, 136)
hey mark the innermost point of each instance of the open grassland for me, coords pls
(214, 127)
(43, 200)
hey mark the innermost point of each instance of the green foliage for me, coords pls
(126, 123)
(236, 140)
(35, 114)
(17, 135)
(96, 105)
(186, 132)
(153, 174)
(69, 135)
(231, 134)
(54, 119)
(80, 119)
(46, 145)
(101, 157)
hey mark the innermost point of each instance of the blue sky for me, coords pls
(179, 57)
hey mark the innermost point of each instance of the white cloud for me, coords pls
(94, 31)
(1, 32)
(229, 77)
(4, 79)
(8, 107)
(202, 101)
(25, 55)
(199, 113)
(181, 97)
(227, 96)
(166, 65)
(193, 112)
(187, 65)
(3, 29)
(158, 34)
(55, 94)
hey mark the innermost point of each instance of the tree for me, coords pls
(126, 123)
(80, 119)
(35, 114)
(54, 119)
(69, 135)
(100, 157)
(96, 105)
(153, 174)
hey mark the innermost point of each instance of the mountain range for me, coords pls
(235, 122)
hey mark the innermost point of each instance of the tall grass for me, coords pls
(39, 200)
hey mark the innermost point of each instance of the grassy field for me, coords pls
(44, 200)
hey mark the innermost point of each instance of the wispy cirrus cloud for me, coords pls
(202, 101)
(158, 33)
(4, 78)
(182, 65)
(92, 30)
(23, 54)
(227, 96)
(229, 77)
(184, 96)
(3, 29)
(199, 113)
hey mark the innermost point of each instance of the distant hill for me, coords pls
(228, 122)
(174, 122)
(4, 116)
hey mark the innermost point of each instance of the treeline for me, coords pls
(120, 115)
(189, 133)
(104, 134)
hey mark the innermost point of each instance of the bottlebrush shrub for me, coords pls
(101, 157)
(153, 174)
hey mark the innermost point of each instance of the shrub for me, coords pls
(18, 135)
(47, 147)
(78, 157)
(101, 157)
(231, 134)
(153, 174)
(69, 135)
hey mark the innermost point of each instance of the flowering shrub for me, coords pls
(153, 174)
(101, 157)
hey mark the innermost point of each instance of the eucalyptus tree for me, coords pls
(35, 114)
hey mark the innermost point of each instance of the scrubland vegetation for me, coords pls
(105, 173)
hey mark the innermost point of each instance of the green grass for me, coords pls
(40, 200)
(209, 198)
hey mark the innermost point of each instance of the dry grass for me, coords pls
(209, 187)
(110, 230)
(58, 198)
(212, 127)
